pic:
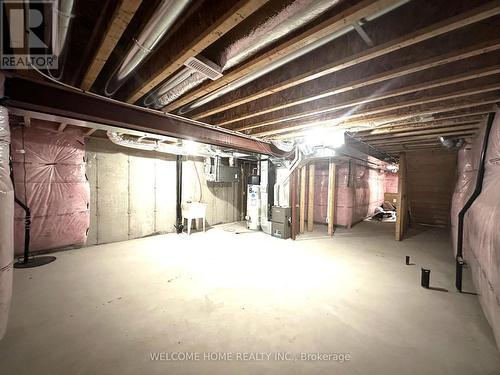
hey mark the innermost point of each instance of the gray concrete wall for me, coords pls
(133, 192)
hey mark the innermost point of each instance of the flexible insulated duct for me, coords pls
(237, 57)
(161, 21)
(61, 20)
(290, 18)
(6, 222)
(175, 148)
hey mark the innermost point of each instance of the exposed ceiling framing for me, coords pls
(397, 74)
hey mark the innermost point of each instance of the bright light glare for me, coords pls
(325, 137)
(190, 147)
(393, 168)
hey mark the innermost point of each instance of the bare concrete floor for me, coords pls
(104, 309)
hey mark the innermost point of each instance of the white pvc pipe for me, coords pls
(6, 222)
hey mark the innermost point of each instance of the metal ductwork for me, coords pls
(238, 57)
(172, 146)
(290, 18)
(451, 143)
(61, 21)
(62, 15)
(161, 21)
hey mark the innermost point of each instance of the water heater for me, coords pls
(253, 202)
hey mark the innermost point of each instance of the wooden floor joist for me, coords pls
(376, 110)
(427, 118)
(475, 15)
(362, 82)
(424, 136)
(238, 13)
(121, 18)
(362, 9)
(466, 106)
(427, 130)
(492, 70)
(419, 125)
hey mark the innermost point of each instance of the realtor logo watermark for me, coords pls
(29, 33)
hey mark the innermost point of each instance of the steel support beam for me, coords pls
(71, 103)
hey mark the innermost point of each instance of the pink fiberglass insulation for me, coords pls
(49, 175)
(344, 196)
(368, 191)
(481, 245)
(391, 183)
(357, 194)
(6, 221)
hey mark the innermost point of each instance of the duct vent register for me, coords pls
(206, 68)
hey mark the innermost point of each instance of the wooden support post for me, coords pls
(332, 170)
(402, 204)
(293, 202)
(310, 199)
(303, 179)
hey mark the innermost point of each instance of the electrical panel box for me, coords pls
(217, 171)
(228, 174)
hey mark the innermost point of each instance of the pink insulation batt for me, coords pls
(391, 183)
(49, 176)
(481, 245)
(356, 196)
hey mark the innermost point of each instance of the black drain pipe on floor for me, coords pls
(26, 261)
(178, 222)
(479, 186)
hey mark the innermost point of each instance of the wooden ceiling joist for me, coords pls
(121, 18)
(374, 133)
(382, 76)
(475, 15)
(466, 132)
(382, 138)
(453, 115)
(362, 9)
(448, 106)
(392, 105)
(470, 75)
(208, 35)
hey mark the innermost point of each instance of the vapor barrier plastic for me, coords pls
(467, 166)
(49, 176)
(482, 232)
(6, 222)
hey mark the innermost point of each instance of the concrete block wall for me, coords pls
(133, 192)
